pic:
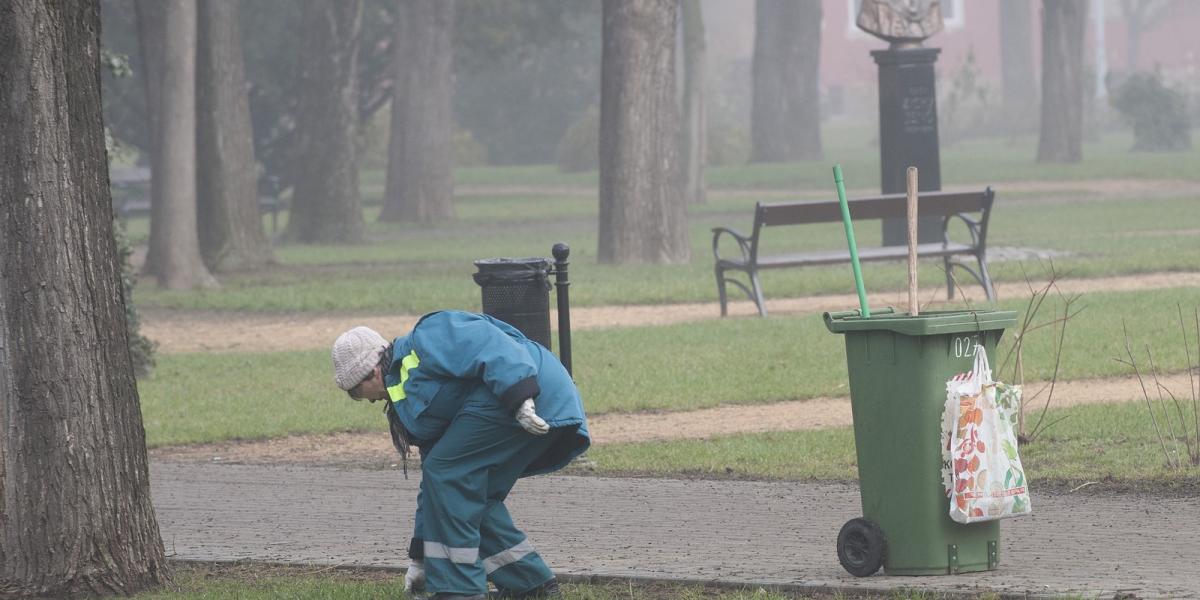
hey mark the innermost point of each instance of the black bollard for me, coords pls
(560, 251)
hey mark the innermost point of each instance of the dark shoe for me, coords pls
(546, 590)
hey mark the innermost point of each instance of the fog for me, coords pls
(520, 90)
(971, 43)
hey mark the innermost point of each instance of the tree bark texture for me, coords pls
(420, 177)
(230, 226)
(695, 118)
(1063, 25)
(75, 510)
(785, 112)
(151, 31)
(1018, 84)
(643, 215)
(178, 265)
(325, 203)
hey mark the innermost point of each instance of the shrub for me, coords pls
(579, 148)
(1157, 113)
(141, 349)
(374, 141)
(468, 152)
(964, 111)
(728, 145)
(371, 140)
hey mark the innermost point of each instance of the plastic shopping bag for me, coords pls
(980, 466)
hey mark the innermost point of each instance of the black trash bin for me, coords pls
(517, 291)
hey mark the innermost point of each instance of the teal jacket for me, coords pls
(455, 361)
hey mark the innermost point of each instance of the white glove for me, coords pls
(414, 577)
(529, 420)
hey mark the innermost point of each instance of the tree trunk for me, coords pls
(230, 227)
(150, 26)
(643, 216)
(695, 118)
(178, 265)
(325, 204)
(785, 113)
(420, 178)
(1019, 87)
(75, 510)
(1063, 26)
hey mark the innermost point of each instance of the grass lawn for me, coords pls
(982, 161)
(207, 397)
(413, 269)
(249, 581)
(417, 268)
(989, 161)
(1099, 443)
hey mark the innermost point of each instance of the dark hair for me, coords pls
(401, 438)
(385, 359)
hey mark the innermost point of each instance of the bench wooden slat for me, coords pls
(943, 204)
(879, 207)
(864, 254)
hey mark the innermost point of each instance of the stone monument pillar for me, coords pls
(908, 132)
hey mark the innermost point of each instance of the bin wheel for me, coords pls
(861, 547)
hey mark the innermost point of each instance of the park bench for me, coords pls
(972, 208)
(131, 195)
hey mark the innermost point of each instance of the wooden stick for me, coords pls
(912, 241)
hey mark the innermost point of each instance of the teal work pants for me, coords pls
(469, 536)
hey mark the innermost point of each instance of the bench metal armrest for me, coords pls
(972, 227)
(742, 241)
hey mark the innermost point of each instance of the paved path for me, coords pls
(698, 530)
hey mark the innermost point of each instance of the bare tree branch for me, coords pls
(1160, 388)
(1062, 335)
(1133, 364)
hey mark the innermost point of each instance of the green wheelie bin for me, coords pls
(898, 367)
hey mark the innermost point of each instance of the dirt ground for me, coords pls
(212, 332)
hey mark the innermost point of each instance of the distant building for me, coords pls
(1170, 41)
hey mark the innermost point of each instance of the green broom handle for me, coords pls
(858, 280)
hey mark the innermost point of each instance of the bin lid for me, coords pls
(512, 264)
(929, 323)
(506, 271)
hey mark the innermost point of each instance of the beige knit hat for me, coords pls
(355, 354)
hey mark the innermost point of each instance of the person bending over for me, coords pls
(485, 406)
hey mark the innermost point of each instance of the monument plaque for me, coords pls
(908, 134)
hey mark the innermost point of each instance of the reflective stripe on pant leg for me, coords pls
(466, 556)
(454, 498)
(507, 557)
(510, 560)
